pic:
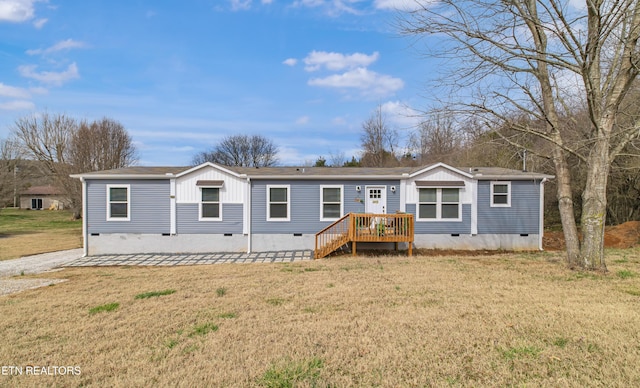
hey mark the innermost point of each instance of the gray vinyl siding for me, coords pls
(187, 219)
(305, 204)
(149, 207)
(522, 217)
(442, 227)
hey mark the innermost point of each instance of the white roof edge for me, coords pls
(123, 176)
(514, 177)
(440, 164)
(209, 164)
(327, 177)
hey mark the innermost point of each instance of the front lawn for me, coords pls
(512, 319)
(29, 232)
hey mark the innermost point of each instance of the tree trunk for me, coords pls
(594, 208)
(565, 205)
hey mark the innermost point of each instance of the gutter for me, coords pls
(541, 222)
(248, 218)
(85, 225)
(123, 176)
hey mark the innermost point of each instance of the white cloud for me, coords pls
(337, 61)
(290, 61)
(302, 120)
(17, 105)
(243, 5)
(368, 82)
(338, 121)
(403, 5)
(240, 5)
(50, 77)
(13, 92)
(330, 7)
(40, 23)
(16, 11)
(401, 115)
(62, 45)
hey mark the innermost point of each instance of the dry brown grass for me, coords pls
(512, 319)
(34, 243)
(28, 232)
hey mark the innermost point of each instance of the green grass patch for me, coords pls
(291, 373)
(625, 274)
(228, 315)
(152, 294)
(203, 329)
(275, 301)
(16, 221)
(523, 351)
(561, 342)
(632, 291)
(104, 308)
(221, 291)
(171, 343)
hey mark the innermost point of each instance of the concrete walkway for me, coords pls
(38, 263)
(73, 258)
(191, 259)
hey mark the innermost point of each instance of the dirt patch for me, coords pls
(623, 236)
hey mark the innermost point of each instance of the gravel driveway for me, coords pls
(30, 265)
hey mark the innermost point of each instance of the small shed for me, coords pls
(42, 197)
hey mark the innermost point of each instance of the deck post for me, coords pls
(353, 248)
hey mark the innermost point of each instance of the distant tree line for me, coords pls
(61, 145)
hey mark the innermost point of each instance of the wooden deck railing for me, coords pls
(362, 227)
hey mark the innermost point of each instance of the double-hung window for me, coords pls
(500, 194)
(439, 204)
(330, 203)
(278, 208)
(118, 202)
(210, 204)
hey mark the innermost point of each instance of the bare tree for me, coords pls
(241, 150)
(379, 141)
(47, 139)
(102, 145)
(336, 159)
(436, 139)
(10, 156)
(534, 57)
(62, 146)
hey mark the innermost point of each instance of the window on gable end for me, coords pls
(437, 204)
(210, 204)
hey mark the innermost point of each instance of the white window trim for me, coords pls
(200, 217)
(269, 187)
(322, 203)
(508, 204)
(128, 218)
(439, 204)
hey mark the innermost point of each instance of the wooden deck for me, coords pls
(361, 227)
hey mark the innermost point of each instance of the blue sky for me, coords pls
(180, 75)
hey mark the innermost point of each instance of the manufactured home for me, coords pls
(214, 208)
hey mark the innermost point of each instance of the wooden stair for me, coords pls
(355, 227)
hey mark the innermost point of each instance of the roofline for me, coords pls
(513, 177)
(209, 164)
(123, 176)
(331, 177)
(440, 164)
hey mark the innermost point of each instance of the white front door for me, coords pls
(376, 199)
